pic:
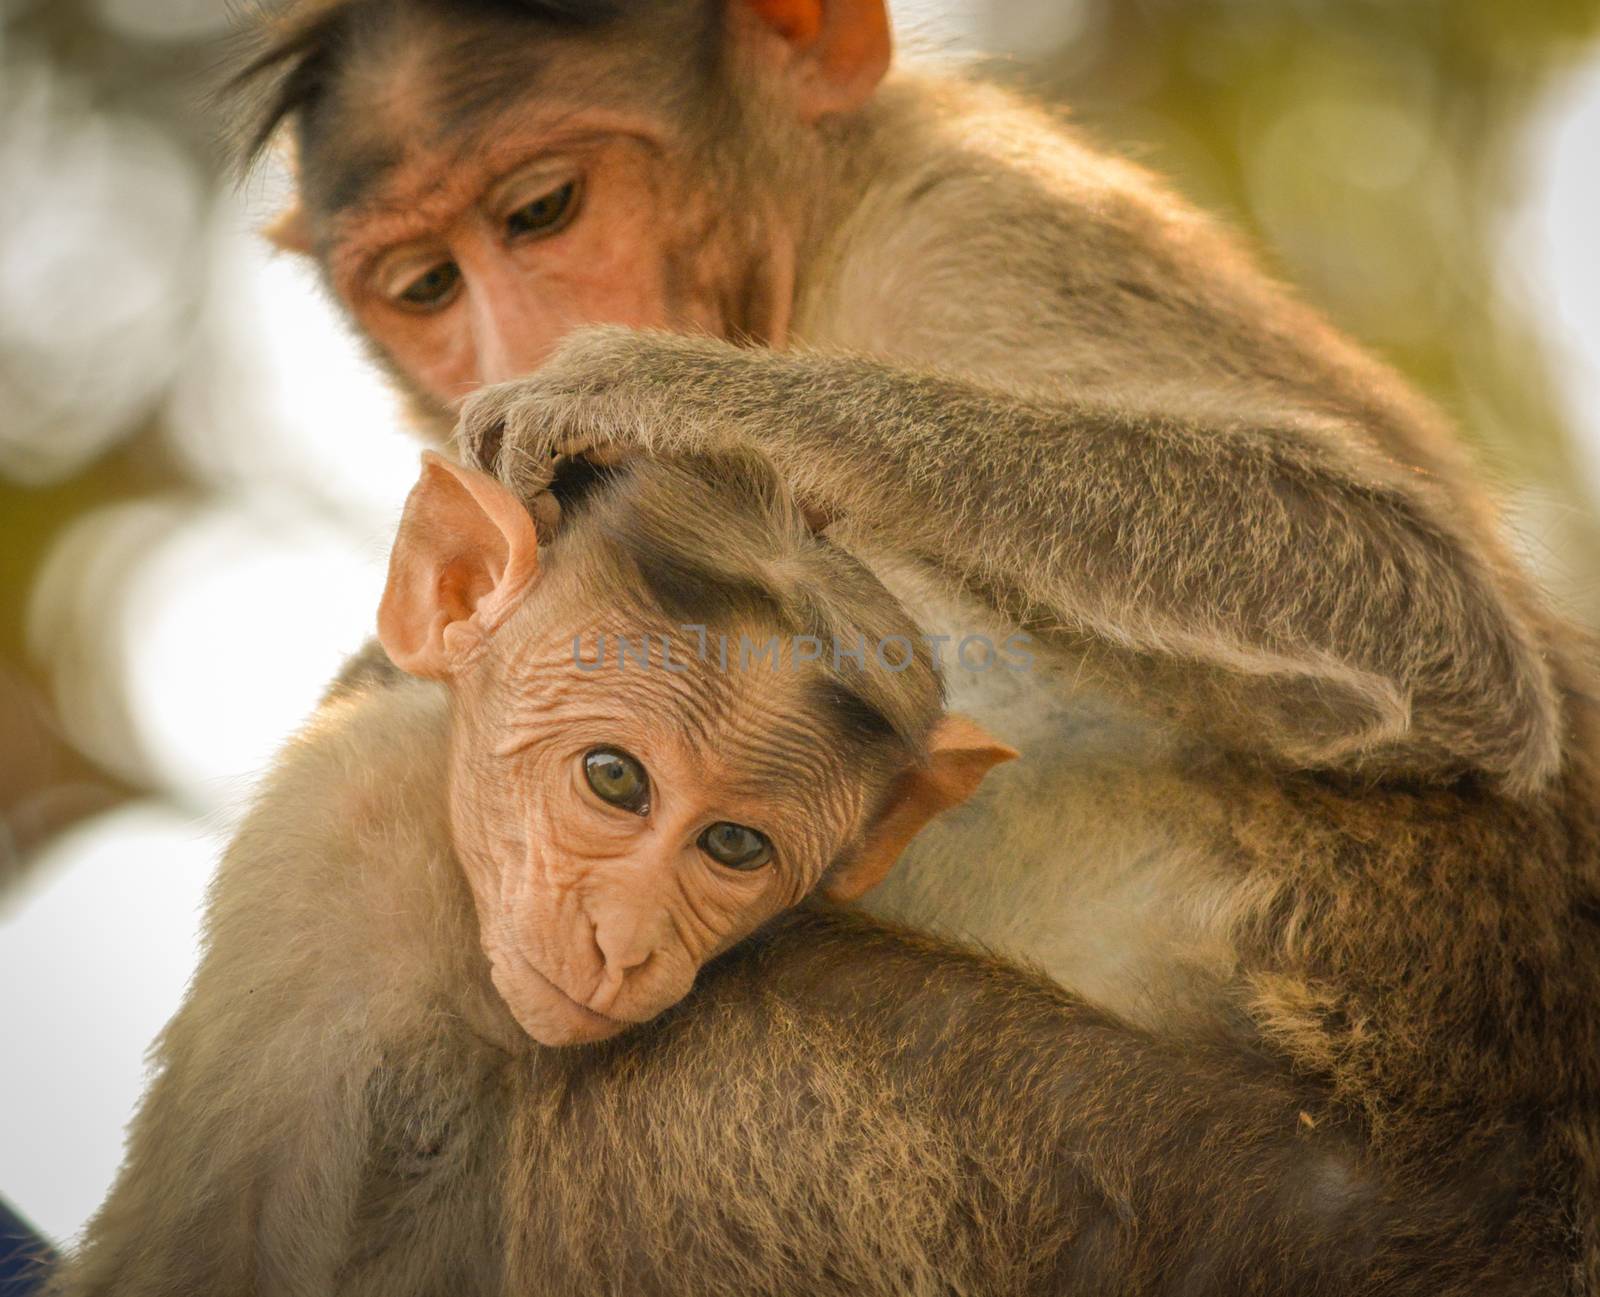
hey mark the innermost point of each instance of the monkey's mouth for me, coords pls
(550, 1015)
(593, 1024)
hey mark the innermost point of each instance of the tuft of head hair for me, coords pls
(721, 542)
(291, 54)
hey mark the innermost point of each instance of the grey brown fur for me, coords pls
(720, 543)
(344, 1106)
(1307, 813)
(1349, 811)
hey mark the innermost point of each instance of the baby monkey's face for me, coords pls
(623, 815)
(621, 825)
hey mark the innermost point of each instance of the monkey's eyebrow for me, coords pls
(373, 215)
(620, 702)
(383, 217)
(519, 740)
(784, 763)
(369, 225)
(344, 177)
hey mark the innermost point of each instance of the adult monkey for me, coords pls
(1355, 825)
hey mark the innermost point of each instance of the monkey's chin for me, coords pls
(551, 1016)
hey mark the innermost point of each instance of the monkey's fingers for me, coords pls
(546, 510)
(817, 518)
(479, 434)
(606, 454)
(499, 432)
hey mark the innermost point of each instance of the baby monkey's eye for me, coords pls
(617, 778)
(735, 846)
(545, 214)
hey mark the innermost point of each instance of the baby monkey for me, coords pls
(766, 723)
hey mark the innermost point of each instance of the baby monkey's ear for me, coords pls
(960, 754)
(466, 554)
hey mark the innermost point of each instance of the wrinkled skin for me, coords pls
(594, 916)
(472, 262)
(620, 824)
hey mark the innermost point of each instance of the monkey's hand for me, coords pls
(607, 393)
(1317, 592)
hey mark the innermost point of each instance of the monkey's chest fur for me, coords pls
(1095, 857)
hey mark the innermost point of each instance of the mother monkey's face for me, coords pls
(479, 177)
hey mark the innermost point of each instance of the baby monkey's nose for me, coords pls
(626, 946)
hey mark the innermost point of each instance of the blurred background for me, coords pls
(199, 474)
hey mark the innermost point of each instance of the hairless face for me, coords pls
(622, 821)
(477, 183)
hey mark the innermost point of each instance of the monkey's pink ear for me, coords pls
(840, 48)
(960, 753)
(290, 231)
(465, 555)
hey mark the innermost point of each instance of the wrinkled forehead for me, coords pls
(758, 740)
(753, 730)
(432, 95)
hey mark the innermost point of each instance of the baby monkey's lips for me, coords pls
(540, 1007)
(586, 1024)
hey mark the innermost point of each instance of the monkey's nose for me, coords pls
(624, 950)
(606, 990)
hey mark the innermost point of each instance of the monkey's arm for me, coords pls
(1315, 599)
(214, 1195)
(836, 1109)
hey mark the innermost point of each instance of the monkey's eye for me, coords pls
(735, 846)
(617, 778)
(432, 289)
(545, 214)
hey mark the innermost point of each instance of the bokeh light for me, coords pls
(97, 275)
(277, 395)
(95, 950)
(1549, 248)
(167, 20)
(190, 665)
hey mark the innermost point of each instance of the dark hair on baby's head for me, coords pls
(721, 542)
